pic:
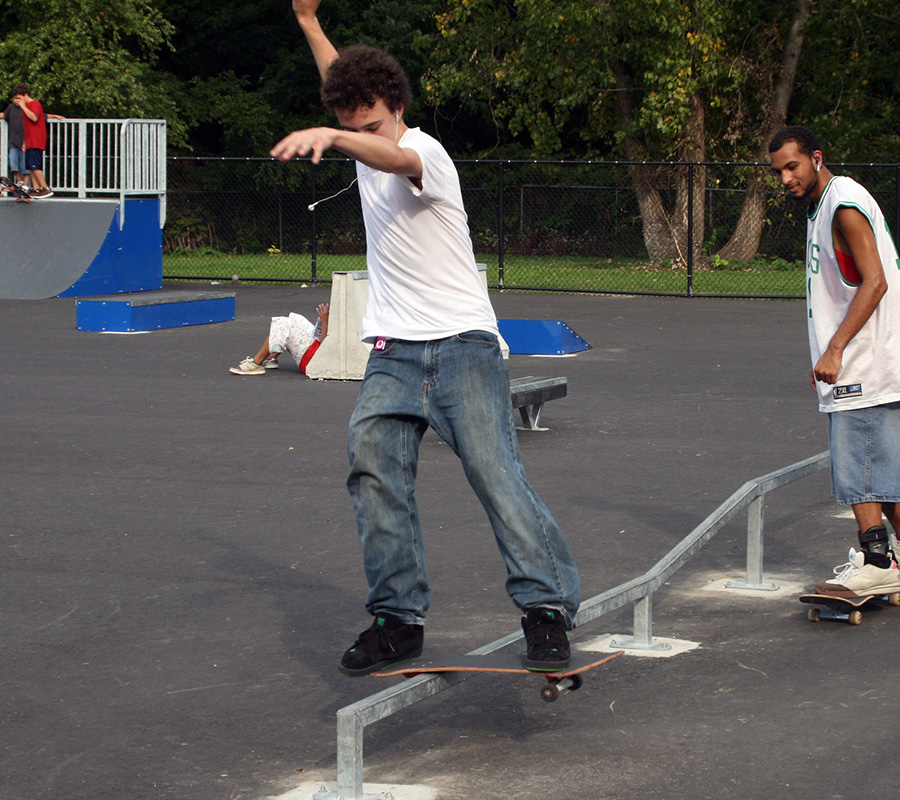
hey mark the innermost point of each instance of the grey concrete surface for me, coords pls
(179, 570)
(48, 246)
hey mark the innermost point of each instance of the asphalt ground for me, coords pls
(179, 570)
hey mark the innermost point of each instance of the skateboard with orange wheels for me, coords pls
(845, 609)
(558, 682)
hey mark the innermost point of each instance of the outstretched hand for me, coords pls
(314, 141)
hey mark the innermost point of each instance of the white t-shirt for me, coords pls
(423, 282)
(870, 373)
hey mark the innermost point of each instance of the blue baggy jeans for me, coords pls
(460, 387)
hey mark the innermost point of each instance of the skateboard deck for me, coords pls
(558, 682)
(846, 609)
(8, 187)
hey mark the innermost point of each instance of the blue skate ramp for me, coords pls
(540, 337)
(49, 245)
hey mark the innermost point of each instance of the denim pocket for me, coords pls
(478, 337)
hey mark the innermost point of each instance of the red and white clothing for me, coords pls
(870, 374)
(296, 334)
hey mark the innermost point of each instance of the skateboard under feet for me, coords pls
(826, 606)
(567, 680)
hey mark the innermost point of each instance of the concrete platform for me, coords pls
(179, 570)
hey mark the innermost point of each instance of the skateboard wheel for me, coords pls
(855, 617)
(550, 693)
(813, 615)
(576, 683)
(894, 599)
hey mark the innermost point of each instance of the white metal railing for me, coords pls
(121, 157)
(352, 720)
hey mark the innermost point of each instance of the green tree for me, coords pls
(650, 80)
(674, 80)
(247, 70)
(847, 88)
(90, 58)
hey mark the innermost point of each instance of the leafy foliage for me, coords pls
(572, 78)
(90, 58)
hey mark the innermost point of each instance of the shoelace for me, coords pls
(380, 635)
(845, 570)
(546, 632)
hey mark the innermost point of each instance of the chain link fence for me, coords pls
(716, 230)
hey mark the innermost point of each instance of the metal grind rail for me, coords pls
(353, 719)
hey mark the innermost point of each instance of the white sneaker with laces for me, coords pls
(248, 367)
(855, 578)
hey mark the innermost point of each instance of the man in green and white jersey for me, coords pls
(853, 303)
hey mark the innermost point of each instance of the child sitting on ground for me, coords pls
(294, 333)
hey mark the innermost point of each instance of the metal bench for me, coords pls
(529, 395)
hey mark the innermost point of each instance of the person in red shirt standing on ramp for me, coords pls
(35, 139)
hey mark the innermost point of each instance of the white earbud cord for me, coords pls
(312, 206)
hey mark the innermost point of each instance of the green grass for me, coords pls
(569, 273)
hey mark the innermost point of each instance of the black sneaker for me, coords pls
(545, 636)
(387, 641)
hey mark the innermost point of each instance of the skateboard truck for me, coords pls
(557, 686)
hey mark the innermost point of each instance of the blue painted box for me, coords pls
(150, 311)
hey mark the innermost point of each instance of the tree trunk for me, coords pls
(666, 232)
(744, 243)
(692, 150)
(654, 221)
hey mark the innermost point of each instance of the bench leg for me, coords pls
(531, 416)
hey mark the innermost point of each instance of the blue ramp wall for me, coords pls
(129, 260)
(540, 337)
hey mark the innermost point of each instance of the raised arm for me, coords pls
(322, 49)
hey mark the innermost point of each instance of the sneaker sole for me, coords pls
(849, 594)
(545, 666)
(388, 662)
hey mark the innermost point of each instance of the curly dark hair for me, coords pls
(806, 140)
(362, 75)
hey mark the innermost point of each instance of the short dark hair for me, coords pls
(806, 140)
(20, 88)
(362, 75)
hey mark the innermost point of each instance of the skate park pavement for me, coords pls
(179, 570)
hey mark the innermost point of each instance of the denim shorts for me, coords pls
(865, 454)
(17, 161)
